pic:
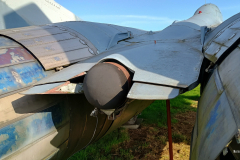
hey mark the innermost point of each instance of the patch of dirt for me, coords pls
(180, 152)
(150, 142)
(185, 125)
(194, 104)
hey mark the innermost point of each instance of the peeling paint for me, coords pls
(3, 137)
(24, 132)
(14, 56)
(19, 76)
(213, 118)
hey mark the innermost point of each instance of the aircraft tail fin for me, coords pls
(14, 14)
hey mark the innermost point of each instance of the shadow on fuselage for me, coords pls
(28, 15)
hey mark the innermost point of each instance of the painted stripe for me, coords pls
(211, 125)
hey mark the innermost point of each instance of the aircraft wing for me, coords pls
(154, 57)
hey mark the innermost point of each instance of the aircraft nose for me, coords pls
(106, 85)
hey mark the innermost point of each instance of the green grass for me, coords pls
(101, 150)
(154, 114)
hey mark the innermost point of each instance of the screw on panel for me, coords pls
(232, 36)
(63, 29)
(81, 41)
(90, 50)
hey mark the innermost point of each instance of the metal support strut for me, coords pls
(169, 129)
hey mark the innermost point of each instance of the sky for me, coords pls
(143, 14)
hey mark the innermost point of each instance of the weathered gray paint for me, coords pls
(99, 34)
(215, 123)
(53, 46)
(178, 50)
(152, 92)
(41, 89)
(221, 38)
(43, 147)
(229, 71)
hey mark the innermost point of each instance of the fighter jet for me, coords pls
(65, 83)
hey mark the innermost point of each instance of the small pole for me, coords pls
(169, 129)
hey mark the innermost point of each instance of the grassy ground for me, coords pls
(150, 140)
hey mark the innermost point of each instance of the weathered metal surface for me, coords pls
(218, 81)
(133, 109)
(33, 33)
(28, 130)
(229, 71)
(7, 43)
(65, 58)
(147, 69)
(152, 92)
(16, 107)
(12, 53)
(99, 34)
(19, 14)
(46, 39)
(44, 148)
(12, 56)
(25, 29)
(56, 47)
(71, 88)
(225, 37)
(143, 56)
(82, 125)
(174, 63)
(53, 46)
(42, 89)
(19, 76)
(55, 88)
(215, 123)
